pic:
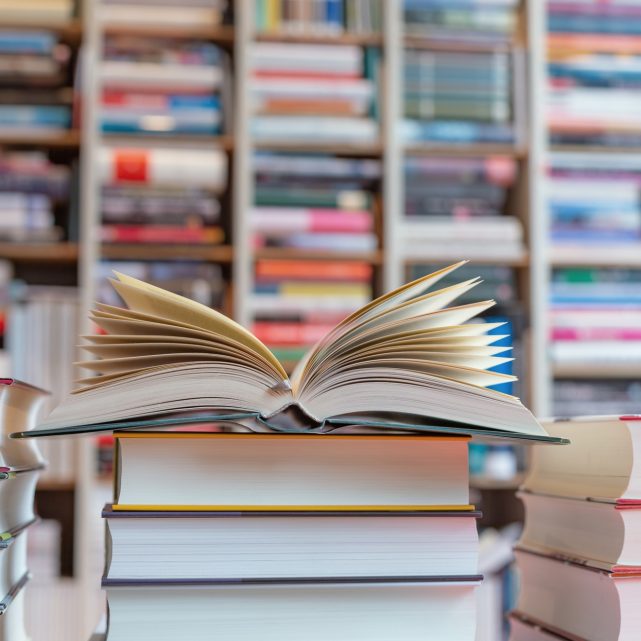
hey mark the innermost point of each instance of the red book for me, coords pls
(288, 334)
(314, 270)
(161, 234)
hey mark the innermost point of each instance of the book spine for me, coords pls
(160, 234)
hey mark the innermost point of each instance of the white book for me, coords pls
(315, 128)
(179, 16)
(282, 57)
(135, 75)
(316, 612)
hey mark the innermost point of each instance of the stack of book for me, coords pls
(594, 72)
(41, 338)
(464, 20)
(290, 537)
(20, 464)
(452, 203)
(458, 97)
(321, 204)
(35, 79)
(162, 195)
(196, 14)
(597, 396)
(162, 86)
(595, 315)
(579, 555)
(332, 504)
(319, 17)
(296, 302)
(34, 193)
(314, 203)
(314, 93)
(595, 207)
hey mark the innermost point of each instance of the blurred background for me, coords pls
(284, 161)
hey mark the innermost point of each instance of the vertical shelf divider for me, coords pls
(391, 109)
(540, 369)
(243, 182)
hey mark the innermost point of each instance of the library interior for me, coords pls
(285, 163)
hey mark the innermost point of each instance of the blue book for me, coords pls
(40, 42)
(334, 13)
(621, 25)
(36, 116)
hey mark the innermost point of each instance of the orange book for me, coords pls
(313, 270)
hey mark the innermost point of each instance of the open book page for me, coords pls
(143, 297)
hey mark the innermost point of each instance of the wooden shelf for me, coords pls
(277, 253)
(39, 252)
(454, 149)
(170, 140)
(483, 482)
(223, 34)
(423, 42)
(46, 139)
(596, 370)
(212, 254)
(69, 31)
(338, 149)
(363, 39)
(55, 486)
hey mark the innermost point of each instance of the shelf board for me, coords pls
(454, 149)
(223, 34)
(55, 486)
(340, 149)
(607, 256)
(424, 42)
(516, 262)
(210, 253)
(39, 252)
(592, 370)
(70, 31)
(176, 140)
(51, 140)
(277, 253)
(363, 39)
(484, 482)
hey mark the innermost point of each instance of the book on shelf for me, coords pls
(369, 353)
(600, 396)
(314, 92)
(578, 552)
(318, 17)
(160, 13)
(593, 93)
(28, 12)
(467, 22)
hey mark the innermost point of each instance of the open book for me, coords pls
(406, 360)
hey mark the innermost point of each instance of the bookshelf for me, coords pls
(528, 150)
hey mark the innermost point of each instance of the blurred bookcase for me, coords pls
(499, 152)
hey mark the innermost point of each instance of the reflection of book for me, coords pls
(408, 353)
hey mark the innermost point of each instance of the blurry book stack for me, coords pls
(594, 72)
(314, 93)
(41, 336)
(161, 86)
(319, 205)
(34, 197)
(595, 206)
(461, 206)
(579, 555)
(163, 13)
(35, 78)
(452, 94)
(162, 195)
(319, 17)
(279, 537)
(20, 465)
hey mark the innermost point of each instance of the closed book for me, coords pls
(373, 611)
(168, 234)
(339, 243)
(314, 270)
(317, 128)
(165, 547)
(577, 601)
(165, 166)
(288, 472)
(288, 220)
(329, 197)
